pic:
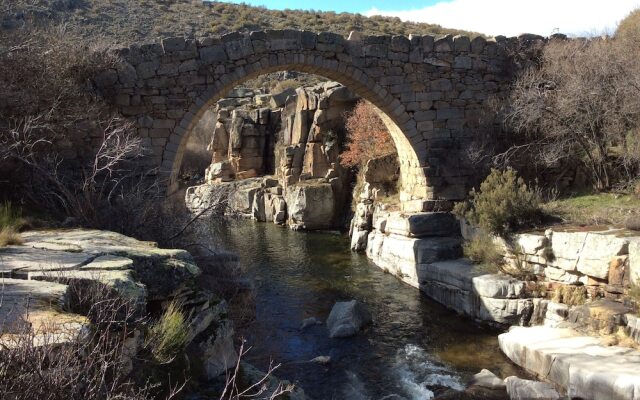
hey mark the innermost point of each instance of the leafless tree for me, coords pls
(581, 104)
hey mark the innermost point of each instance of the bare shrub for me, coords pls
(581, 104)
(10, 236)
(570, 295)
(367, 136)
(632, 223)
(263, 388)
(94, 364)
(61, 149)
(629, 28)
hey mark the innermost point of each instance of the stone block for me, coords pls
(461, 43)
(213, 55)
(147, 69)
(173, 44)
(423, 224)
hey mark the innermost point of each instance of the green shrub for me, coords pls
(168, 336)
(504, 204)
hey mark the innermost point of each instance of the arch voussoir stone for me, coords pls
(427, 89)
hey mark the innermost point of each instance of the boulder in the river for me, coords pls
(321, 360)
(487, 379)
(310, 205)
(308, 322)
(522, 389)
(347, 318)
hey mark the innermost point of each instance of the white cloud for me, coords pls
(512, 17)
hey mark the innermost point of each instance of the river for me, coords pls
(414, 347)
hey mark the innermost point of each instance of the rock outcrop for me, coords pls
(43, 276)
(293, 143)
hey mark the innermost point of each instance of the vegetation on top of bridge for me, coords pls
(129, 21)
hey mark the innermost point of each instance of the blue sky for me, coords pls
(354, 6)
(492, 17)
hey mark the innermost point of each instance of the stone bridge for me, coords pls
(430, 92)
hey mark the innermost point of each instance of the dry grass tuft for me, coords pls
(10, 236)
(484, 252)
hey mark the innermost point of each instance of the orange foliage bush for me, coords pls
(367, 135)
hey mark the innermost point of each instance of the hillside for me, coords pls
(126, 21)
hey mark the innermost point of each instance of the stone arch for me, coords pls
(429, 90)
(392, 113)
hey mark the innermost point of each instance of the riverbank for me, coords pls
(54, 281)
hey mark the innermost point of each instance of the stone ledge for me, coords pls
(579, 365)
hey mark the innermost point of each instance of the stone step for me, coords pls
(580, 365)
(424, 224)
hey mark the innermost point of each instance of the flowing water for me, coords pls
(414, 346)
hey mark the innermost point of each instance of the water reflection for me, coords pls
(413, 345)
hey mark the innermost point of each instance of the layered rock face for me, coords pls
(41, 277)
(293, 140)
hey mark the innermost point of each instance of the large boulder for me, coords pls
(347, 318)
(310, 205)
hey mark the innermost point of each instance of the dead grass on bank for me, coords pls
(10, 236)
(597, 209)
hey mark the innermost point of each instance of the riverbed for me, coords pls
(414, 348)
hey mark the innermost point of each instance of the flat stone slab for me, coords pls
(109, 263)
(579, 364)
(122, 281)
(24, 300)
(16, 260)
(35, 278)
(90, 241)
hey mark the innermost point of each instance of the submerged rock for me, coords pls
(321, 360)
(487, 379)
(347, 318)
(522, 389)
(308, 322)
